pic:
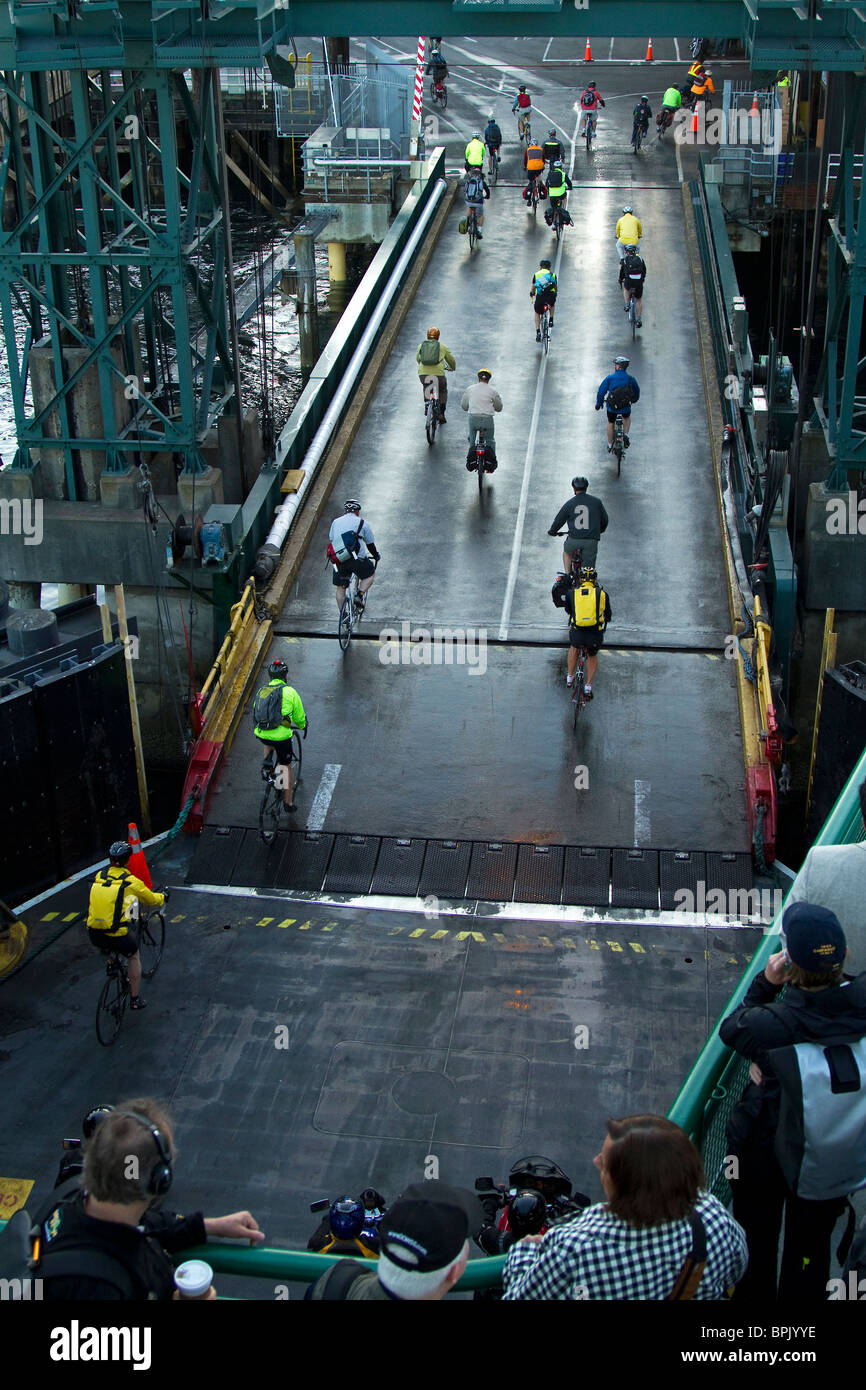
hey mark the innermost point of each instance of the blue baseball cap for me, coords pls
(814, 938)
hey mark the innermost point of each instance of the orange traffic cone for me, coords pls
(587, 57)
(649, 51)
(137, 862)
(755, 111)
(695, 122)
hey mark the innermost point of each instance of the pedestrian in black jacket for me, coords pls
(819, 1002)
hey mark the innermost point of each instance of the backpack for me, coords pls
(534, 158)
(430, 352)
(560, 591)
(473, 191)
(634, 267)
(100, 885)
(589, 98)
(620, 397)
(351, 543)
(820, 1140)
(586, 605)
(268, 707)
(524, 100)
(72, 1254)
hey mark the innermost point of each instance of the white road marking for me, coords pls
(547, 50)
(641, 814)
(322, 799)
(528, 461)
(677, 50)
(610, 52)
(679, 160)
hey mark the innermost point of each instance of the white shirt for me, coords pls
(481, 399)
(350, 522)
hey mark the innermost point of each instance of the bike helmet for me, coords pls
(94, 1118)
(590, 84)
(644, 97)
(121, 849)
(527, 1213)
(352, 504)
(581, 484)
(552, 131)
(539, 1174)
(476, 135)
(620, 361)
(484, 372)
(628, 208)
(544, 265)
(522, 87)
(346, 1218)
(587, 572)
(432, 332)
(491, 117)
(278, 668)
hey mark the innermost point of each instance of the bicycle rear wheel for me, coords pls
(632, 314)
(472, 229)
(269, 814)
(152, 944)
(431, 422)
(545, 332)
(617, 449)
(111, 1007)
(344, 630)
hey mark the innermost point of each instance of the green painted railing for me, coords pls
(286, 1266)
(715, 1082)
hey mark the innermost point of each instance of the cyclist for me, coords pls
(475, 190)
(543, 294)
(641, 116)
(474, 153)
(632, 274)
(277, 712)
(112, 914)
(522, 104)
(435, 359)
(590, 101)
(352, 543)
(493, 139)
(553, 152)
(628, 231)
(481, 400)
(589, 612)
(533, 163)
(437, 66)
(696, 69)
(702, 88)
(558, 183)
(671, 102)
(586, 519)
(620, 391)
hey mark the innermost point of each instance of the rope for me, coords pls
(748, 668)
(178, 825)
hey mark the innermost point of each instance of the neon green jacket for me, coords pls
(293, 713)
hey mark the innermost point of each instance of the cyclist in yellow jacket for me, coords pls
(113, 913)
(628, 231)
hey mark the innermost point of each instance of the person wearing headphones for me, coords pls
(104, 1239)
(277, 712)
(112, 914)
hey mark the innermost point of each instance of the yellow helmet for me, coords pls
(484, 371)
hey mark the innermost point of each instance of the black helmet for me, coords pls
(539, 1174)
(94, 1118)
(580, 484)
(121, 849)
(587, 572)
(544, 265)
(552, 131)
(351, 503)
(522, 87)
(590, 84)
(278, 668)
(527, 1213)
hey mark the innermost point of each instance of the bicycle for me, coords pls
(578, 689)
(480, 458)
(632, 313)
(494, 159)
(432, 409)
(438, 93)
(524, 129)
(639, 132)
(472, 227)
(533, 197)
(545, 330)
(664, 120)
(272, 796)
(350, 611)
(557, 221)
(620, 441)
(115, 993)
(589, 131)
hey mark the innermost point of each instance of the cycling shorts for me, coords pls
(124, 945)
(544, 299)
(588, 637)
(625, 412)
(282, 746)
(343, 573)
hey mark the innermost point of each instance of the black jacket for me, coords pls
(117, 1262)
(597, 518)
(762, 1022)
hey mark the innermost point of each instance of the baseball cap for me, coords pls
(814, 938)
(425, 1230)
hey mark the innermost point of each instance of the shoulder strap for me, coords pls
(690, 1275)
(118, 902)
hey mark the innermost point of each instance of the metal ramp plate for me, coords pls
(304, 863)
(727, 871)
(586, 876)
(257, 863)
(446, 866)
(352, 863)
(635, 878)
(539, 874)
(216, 854)
(398, 868)
(678, 870)
(491, 871)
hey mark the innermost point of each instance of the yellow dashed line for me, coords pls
(264, 921)
(636, 946)
(286, 922)
(395, 931)
(614, 945)
(567, 941)
(419, 931)
(329, 926)
(49, 916)
(305, 926)
(476, 936)
(545, 941)
(732, 960)
(180, 916)
(593, 945)
(500, 937)
(70, 916)
(438, 935)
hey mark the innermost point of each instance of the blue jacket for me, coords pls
(492, 134)
(611, 382)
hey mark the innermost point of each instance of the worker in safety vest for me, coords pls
(702, 87)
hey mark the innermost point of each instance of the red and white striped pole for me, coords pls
(418, 98)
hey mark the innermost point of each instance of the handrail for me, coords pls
(287, 1266)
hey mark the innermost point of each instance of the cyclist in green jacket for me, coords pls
(293, 716)
(558, 183)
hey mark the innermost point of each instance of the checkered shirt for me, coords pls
(598, 1256)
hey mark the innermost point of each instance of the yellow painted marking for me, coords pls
(545, 941)
(732, 960)
(286, 922)
(178, 918)
(395, 931)
(49, 916)
(636, 946)
(419, 931)
(70, 916)
(593, 945)
(438, 935)
(614, 945)
(264, 921)
(748, 960)
(14, 1193)
(305, 926)
(567, 941)
(499, 936)
(476, 936)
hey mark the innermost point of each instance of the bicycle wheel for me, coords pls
(152, 944)
(111, 1007)
(344, 630)
(577, 699)
(431, 421)
(557, 225)
(298, 755)
(269, 814)
(472, 230)
(444, 97)
(545, 332)
(617, 449)
(632, 315)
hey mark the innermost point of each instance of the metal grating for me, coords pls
(216, 855)
(586, 877)
(729, 871)
(681, 869)
(635, 878)
(352, 863)
(491, 871)
(539, 874)
(304, 863)
(398, 868)
(257, 863)
(446, 866)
